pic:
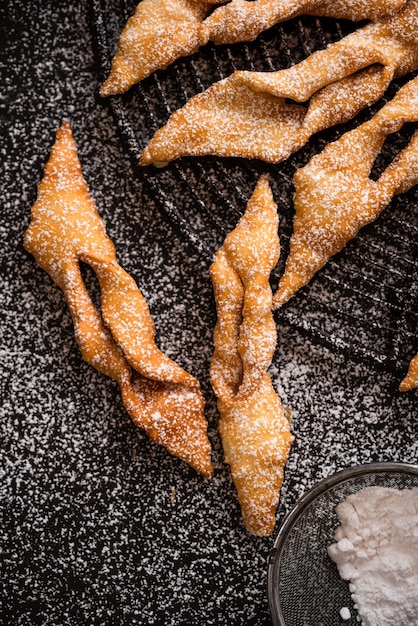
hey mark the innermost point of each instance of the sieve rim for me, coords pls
(327, 483)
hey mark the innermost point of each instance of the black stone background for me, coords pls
(98, 525)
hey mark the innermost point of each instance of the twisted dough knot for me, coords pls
(255, 433)
(335, 197)
(65, 229)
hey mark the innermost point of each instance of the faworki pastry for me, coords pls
(411, 379)
(161, 31)
(335, 196)
(65, 229)
(248, 114)
(254, 430)
(244, 20)
(158, 32)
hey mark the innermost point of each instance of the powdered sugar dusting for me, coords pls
(90, 532)
(255, 432)
(335, 195)
(241, 20)
(66, 228)
(160, 31)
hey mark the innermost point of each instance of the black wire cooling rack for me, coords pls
(363, 303)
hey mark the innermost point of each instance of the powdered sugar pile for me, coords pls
(377, 550)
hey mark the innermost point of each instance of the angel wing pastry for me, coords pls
(259, 115)
(255, 433)
(335, 197)
(65, 229)
(244, 20)
(411, 379)
(160, 31)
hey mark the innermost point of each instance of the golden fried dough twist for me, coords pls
(334, 196)
(411, 379)
(255, 432)
(160, 31)
(244, 20)
(246, 115)
(65, 229)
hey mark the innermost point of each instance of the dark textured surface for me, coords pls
(100, 526)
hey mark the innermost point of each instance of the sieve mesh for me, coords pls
(305, 588)
(363, 303)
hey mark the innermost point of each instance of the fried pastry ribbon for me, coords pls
(255, 432)
(160, 31)
(65, 229)
(244, 20)
(246, 115)
(335, 197)
(411, 379)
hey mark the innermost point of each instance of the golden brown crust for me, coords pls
(334, 196)
(411, 379)
(246, 115)
(160, 31)
(66, 228)
(243, 20)
(255, 432)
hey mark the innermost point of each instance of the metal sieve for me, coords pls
(304, 586)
